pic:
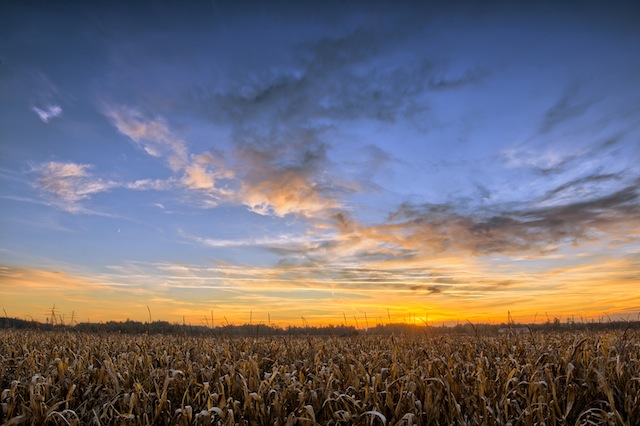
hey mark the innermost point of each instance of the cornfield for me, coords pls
(70, 378)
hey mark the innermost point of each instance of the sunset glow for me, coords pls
(320, 163)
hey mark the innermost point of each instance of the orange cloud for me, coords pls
(29, 292)
(286, 192)
(448, 287)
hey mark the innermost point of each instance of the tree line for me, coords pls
(257, 330)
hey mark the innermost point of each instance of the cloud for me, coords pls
(449, 82)
(325, 82)
(566, 108)
(326, 277)
(67, 184)
(581, 187)
(286, 192)
(280, 172)
(285, 241)
(356, 70)
(282, 113)
(198, 177)
(275, 174)
(287, 174)
(151, 185)
(586, 210)
(545, 162)
(465, 287)
(528, 228)
(50, 112)
(207, 171)
(152, 135)
(32, 290)
(40, 279)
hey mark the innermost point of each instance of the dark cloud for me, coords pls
(344, 223)
(484, 192)
(568, 107)
(582, 184)
(556, 168)
(604, 153)
(323, 83)
(418, 232)
(441, 227)
(430, 289)
(373, 68)
(280, 114)
(369, 166)
(364, 278)
(595, 213)
(470, 76)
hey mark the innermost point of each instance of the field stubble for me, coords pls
(63, 378)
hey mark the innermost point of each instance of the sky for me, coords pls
(293, 163)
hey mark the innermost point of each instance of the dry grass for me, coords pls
(72, 378)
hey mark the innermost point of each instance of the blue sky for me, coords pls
(320, 160)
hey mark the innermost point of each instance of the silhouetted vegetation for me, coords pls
(258, 330)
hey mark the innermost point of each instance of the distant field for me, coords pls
(553, 378)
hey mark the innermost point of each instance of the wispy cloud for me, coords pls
(582, 187)
(544, 161)
(48, 113)
(152, 135)
(67, 184)
(151, 184)
(568, 107)
(205, 172)
(446, 287)
(288, 241)
(34, 291)
(461, 285)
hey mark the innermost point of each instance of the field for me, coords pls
(535, 378)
